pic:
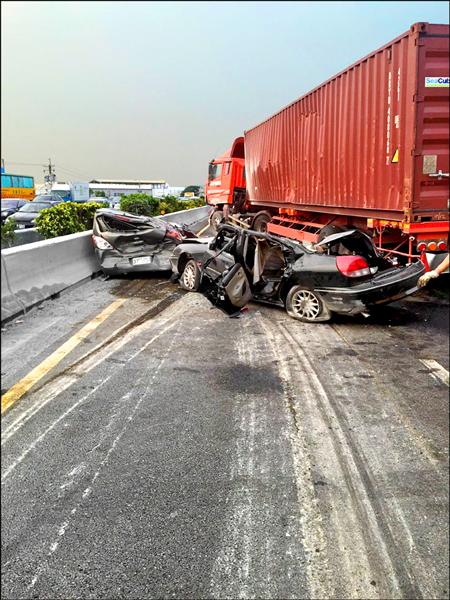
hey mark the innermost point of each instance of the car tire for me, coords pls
(329, 230)
(216, 219)
(306, 305)
(190, 277)
(260, 222)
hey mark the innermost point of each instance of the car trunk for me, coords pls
(132, 235)
(355, 242)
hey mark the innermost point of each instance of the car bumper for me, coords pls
(381, 289)
(114, 263)
(22, 225)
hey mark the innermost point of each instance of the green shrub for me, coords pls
(194, 203)
(140, 204)
(99, 194)
(66, 218)
(8, 233)
(170, 204)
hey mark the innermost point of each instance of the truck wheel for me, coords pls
(216, 219)
(260, 221)
(306, 305)
(329, 230)
(190, 278)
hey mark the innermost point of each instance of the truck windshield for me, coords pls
(215, 170)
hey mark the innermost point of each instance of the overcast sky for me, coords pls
(154, 90)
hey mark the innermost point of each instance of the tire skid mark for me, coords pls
(361, 485)
(62, 381)
(86, 493)
(394, 514)
(89, 365)
(234, 559)
(417, 438)
(314, 540)
(243, 565)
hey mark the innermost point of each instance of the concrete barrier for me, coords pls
(38, 270)
(41, 269)
(194, 216)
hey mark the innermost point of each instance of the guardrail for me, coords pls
(39, 270)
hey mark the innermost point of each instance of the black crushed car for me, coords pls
(127, 243)
(344, 273)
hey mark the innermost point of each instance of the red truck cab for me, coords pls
(226, 180)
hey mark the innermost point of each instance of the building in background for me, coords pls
(116, 188)
(119, 187)
(168, 191)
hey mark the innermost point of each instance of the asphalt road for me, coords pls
(175, 452)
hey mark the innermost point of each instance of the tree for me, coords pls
(140, 204)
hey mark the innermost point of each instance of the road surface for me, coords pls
(164, 450)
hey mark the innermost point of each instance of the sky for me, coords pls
(155, 90)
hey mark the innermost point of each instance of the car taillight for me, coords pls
(352, 266)
(432, 246)
(174, 234)
(442, 246)
(421, 246)
(101, 243)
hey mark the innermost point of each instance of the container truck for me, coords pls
(367, 149)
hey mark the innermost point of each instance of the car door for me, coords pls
(223, 258)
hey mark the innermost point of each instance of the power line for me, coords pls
(71, 172)
(26, 164)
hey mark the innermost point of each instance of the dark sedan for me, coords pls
(52, 197)
(9, 206)
(25, 217)
(344, 274)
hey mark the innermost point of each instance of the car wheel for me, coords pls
(216, 219)
(190, 278)
(260, 221)
(306, 305)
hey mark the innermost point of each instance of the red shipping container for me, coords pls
(370, 142)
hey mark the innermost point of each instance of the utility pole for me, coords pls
(49, 176)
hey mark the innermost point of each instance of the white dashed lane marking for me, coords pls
(436, 369)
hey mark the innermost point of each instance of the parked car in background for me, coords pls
(25, 216)
(127, 243)
(9, 206)
(51, 197)
(344, 273)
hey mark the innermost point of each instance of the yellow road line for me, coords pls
(22, 386)
(203, 230)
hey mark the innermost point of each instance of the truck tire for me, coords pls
(190, 277)
(216, 219)
(329, 230)
(260, 221)
(306, 305)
